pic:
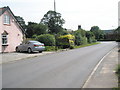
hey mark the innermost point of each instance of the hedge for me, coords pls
(47, 39)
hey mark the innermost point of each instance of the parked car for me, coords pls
(31, 46)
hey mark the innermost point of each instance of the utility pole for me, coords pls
(55, 18)
(54, 6)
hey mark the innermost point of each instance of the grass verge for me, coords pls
(53, 48)
(118, 74)
(87, 45)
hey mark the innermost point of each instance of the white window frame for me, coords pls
(4, 40)
(6, 19)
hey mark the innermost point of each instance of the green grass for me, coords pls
(53, 48)
(87, 45)
(118, 74)
(49, 48)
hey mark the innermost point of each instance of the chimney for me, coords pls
(79, 27)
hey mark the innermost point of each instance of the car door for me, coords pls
(22, 47)
(26, 46)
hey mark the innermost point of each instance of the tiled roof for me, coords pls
(3, 9)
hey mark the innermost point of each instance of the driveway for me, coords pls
(10, 57)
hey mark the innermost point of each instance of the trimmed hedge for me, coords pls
(47, 39)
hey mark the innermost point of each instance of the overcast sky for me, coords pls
(87, 13)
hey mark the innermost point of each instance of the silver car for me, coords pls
(31, 46)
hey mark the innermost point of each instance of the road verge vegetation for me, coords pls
(55, 48)
(90, 44)
(118, 74)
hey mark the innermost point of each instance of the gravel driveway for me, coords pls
(8, 57)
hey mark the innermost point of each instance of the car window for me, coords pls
(27, 42)
(35, 42)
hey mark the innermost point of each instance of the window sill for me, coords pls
(7, 24)
(4, 44)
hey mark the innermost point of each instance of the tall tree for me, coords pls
(99, 34)
(35, 29)
(54, 21)
(40, 29)
(21, 21)
(30, 30)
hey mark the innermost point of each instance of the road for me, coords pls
(68, 69)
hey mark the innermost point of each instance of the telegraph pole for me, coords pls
(55, 18)
(54, 6)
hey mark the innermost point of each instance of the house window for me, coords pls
(6, 19)
(4, 40)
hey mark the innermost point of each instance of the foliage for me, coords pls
(28, 39)
(117, 33)
(83, 37)
(118, 74)
(65, 41)
(30, 29)
(84, 40)
(35, 29)
(21, 21)
(94, 28)
(78, 37)
(83, 33)
(90, 37)
(99, 34)
(54, 21)
(50, 48)
(40, 29)
(86, 45)
(47, 39)
(63, 32)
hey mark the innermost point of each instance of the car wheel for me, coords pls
(40, 51)
(29, 50)
(17, 49)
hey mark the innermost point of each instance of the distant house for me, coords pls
(11, 32)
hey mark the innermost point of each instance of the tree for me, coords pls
(78, 37)
(35, 29)
(21, 21)
(95, 28)
(97, 32)
(40, 29)
(30, 30)
(90, 36)
(54, 21)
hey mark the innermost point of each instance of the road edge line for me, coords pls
(96, 67)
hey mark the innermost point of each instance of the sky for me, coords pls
(87, 13)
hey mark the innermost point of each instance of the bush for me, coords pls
(71, 47)
(50, 48)
(84, 40)
(118, 74)
(47, 39)
(65, 41)
(91, 40)
(28, 39)
(78, 39)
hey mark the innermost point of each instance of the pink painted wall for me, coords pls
(15, 36)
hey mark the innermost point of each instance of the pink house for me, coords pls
(11, 32)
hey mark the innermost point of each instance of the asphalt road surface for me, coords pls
(67, 69)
